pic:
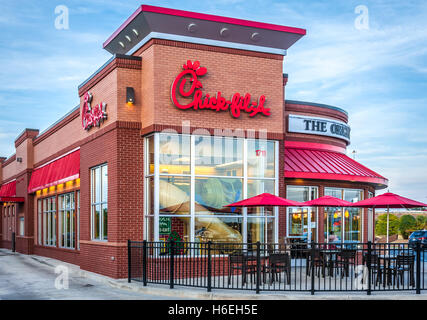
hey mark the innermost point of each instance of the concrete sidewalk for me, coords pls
(163, 291)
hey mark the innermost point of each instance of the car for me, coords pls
(418, 236)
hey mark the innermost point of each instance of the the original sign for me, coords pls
(92, 115)
(319, 126)
(193, 90)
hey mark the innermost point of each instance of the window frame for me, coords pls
(154, 139)
(47, 216)
(309, 211)
(94, 204)
(41, 219)
(343, 226)
(63, 211)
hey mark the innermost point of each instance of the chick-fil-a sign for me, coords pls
(92, 116)
(237, 104)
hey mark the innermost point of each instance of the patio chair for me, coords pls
(278, 263)
(376, 268)
(404, 263)
(345, 259)
(318, 260)
(240, 262)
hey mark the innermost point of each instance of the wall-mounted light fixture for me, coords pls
(130, 96)
(19, 159)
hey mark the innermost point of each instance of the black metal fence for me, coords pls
(260, 267)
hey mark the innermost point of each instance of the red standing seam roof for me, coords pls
(330, 165)
(59, 171)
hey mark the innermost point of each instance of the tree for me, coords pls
(407, 225)
(381, 225)
(421, 223)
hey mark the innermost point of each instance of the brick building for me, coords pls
(188, 115)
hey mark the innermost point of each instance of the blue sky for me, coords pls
(379, 75)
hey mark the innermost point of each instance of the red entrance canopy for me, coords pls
(8, 193)
(305, 163)
(327, 201)
(265, 200)
(59, 171)
(389, 200)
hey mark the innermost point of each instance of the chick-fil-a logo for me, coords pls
(92, 116)
(237, 104)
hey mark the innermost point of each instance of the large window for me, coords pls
(59, 213)
(49, 221)
(21, 226)
(343, 224)
(190, 180)
(67, 218)
(302, 222)
(99, 202)
(371, 220)
(39, 221)
(78, 220)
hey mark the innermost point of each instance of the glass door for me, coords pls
(302, 222)
(343, 224)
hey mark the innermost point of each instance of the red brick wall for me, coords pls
(66, 255)
(122, 149)
(228, 71)
(95, 256)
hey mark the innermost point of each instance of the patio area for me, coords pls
(316, 267)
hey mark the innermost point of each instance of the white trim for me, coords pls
(146, 224)
(276, 190)
(62, 156)
(192, 187)
(156, 196)
(210, 42)
(245, 191)
(10, 181)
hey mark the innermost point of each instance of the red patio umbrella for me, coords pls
(388, 200)
(264, 200)
(327, 201)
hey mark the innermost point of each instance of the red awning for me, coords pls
(8, 193)
(56, 172)
(8, 189)
(328, 165)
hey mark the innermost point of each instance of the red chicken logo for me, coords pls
(190, 75)
(92, 116)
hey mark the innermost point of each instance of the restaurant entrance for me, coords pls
(302, 222)
(8, 221)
